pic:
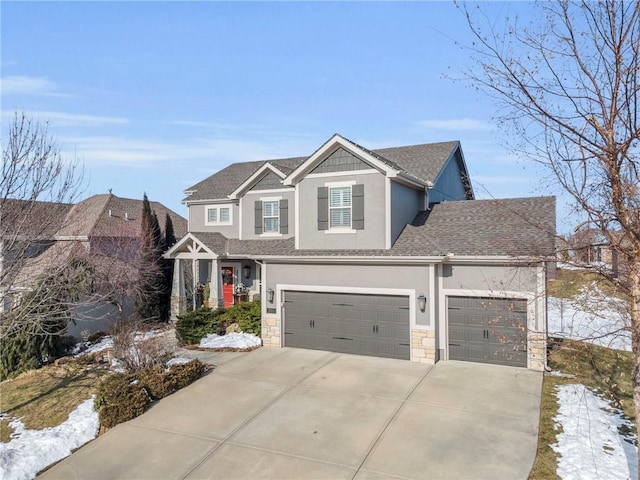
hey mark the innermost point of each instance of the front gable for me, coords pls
(269, 181)
(338, 155)
(267, 177)
(341, 160)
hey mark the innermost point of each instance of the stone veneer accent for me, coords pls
(178, 306)
(423, 346)
(271, 335)
(537, 351)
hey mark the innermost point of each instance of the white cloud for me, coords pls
(23, 85)
(455, 124)
(65, 119)
(212, 154)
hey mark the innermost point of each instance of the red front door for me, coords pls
(227, 286)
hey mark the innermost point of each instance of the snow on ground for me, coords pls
(231, 340)
(29, 451)
(590, 445)
(178, 361)
(591, 316)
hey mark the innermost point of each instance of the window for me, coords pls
(218, 215)
(340, 207)
(271, 216)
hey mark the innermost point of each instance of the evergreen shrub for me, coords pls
(197, 324)
(124, 396)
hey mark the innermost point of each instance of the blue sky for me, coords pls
(155, 96)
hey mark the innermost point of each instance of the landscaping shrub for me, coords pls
(247, 315)
(124, 396)
(120, 397)
(136, 353)
(197, 324)
(161, 382)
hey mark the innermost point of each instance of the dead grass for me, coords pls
(569, 283)
(45, 397)
(603, 370)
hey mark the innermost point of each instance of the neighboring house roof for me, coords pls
(515, 227)
(31, 218)
(111, 216)
(99, 216)
(422, 162)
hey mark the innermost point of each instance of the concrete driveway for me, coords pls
(294, 414)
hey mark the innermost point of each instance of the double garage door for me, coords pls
(376, 325)
(488, 330)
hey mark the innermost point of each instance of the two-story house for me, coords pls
(375, 252)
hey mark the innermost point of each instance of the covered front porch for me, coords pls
(204, 276)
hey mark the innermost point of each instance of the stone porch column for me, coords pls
(178, 295)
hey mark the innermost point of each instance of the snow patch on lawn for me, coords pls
(590, 445)
(231, 340)
(29, 451)
(592, 317)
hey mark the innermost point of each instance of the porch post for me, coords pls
(178, 296)
(196, 277)
(216, 299)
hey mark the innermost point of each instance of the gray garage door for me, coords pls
(376, 325)
(488, 330)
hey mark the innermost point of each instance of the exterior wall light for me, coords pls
(270, 294)
(422, 302)
(247, 271)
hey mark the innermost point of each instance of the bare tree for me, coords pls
(569, 91)
(37, 188)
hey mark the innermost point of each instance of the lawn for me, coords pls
(45, 397)
(605, 371)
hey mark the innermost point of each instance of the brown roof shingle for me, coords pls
(514, 227)
(423, 162)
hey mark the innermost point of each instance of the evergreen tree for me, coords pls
(169, 234)
(168, 241)
(149, 294)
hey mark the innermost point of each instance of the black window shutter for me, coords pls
(323, 208)
(357, 206)
(258, 217)
(284, 216)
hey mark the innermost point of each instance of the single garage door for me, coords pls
(376, 325)
(488, 330)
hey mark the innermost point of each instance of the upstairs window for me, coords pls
(340, 207)
(218, 215)
(271, 216)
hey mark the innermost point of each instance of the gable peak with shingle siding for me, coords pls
(222, 183)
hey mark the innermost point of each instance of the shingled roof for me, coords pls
(514, 227)
(423, 162)
(110, 215)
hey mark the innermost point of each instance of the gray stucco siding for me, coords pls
(341, 278)
(197, 220)
(449, 181)
(373, 234)
(248, 211)
(497, 278)
(406, 202)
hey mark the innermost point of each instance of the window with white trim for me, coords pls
(271, 216)
(340, 207)
(218, 215)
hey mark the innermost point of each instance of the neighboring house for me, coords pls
(105, 230)
(589, 248)
(382, 253)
